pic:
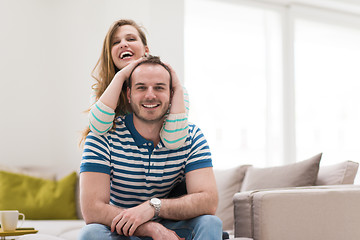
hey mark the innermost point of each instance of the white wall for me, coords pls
(47, 51)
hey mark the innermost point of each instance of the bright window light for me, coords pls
(256, 107)
(228, 51)
(327, 87)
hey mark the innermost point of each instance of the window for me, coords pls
(232, 63)
(327, 83)
(272, 84)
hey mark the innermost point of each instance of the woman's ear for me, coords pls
(147, 51)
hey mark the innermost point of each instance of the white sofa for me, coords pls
(311, 213)
(62, 229)
(268, 213)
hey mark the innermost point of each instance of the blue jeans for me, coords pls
(206, 227)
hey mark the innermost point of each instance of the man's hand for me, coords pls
(130, 219)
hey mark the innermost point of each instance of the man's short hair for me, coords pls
(151, 60)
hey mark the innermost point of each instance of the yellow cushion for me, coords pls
(38, 198)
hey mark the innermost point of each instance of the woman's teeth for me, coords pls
(126, 54)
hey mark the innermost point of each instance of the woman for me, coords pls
(124, 46)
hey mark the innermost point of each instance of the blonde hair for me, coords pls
(105, 69)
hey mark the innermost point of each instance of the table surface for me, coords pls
(17, 232)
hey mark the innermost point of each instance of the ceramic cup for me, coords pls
(9, 220)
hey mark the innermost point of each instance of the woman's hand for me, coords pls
(111, 95)
(177, 100)
(124, 73)
(176, 84)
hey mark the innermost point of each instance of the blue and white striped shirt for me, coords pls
(137, 170)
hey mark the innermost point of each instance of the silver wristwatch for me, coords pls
(156, 204)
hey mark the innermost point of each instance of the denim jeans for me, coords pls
(206, 227)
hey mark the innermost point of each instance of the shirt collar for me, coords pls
(129, 123)
(139, 140)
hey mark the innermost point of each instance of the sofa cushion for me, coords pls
(64, 229)
(340, 173)
(228, 183)
(298, 174)
(38, 198)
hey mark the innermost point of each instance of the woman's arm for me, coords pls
(102, 113)
(101, 118)
(111, 94)
(175, 128)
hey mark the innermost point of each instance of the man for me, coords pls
(127, 174)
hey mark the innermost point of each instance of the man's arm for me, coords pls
(202, 197)
(95, 197)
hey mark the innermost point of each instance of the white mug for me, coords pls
(9, 220)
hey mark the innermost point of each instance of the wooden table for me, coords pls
(17, 232)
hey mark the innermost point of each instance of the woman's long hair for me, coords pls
(105, 70)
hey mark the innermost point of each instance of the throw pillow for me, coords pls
(340, 173)
(228, 183)
(38, 198)
(298, 174)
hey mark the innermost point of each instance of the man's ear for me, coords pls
(128, 93)
(171, 95)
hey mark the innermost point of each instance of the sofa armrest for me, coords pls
(319, 212)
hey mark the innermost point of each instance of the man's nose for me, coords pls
(150, 93)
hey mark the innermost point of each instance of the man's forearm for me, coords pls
(109, 212)
(189, 206)
(100, 213)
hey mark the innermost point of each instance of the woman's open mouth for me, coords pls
(126, 54)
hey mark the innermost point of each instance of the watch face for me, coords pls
(155, 201)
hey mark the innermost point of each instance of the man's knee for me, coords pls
(93, 232)
(208, 227)
(211, 221)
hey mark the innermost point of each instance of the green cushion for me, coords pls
(38, 198)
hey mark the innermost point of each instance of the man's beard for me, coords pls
(159, 118)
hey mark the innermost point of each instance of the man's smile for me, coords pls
(150, 106)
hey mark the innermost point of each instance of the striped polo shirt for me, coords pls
(138, 170)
